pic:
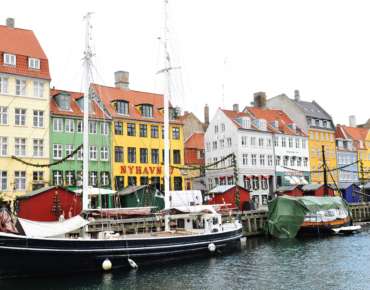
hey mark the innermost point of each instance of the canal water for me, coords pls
(318, 263)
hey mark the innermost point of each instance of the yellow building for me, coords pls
(24, 111)
(137, 137)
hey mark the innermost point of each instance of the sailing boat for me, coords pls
(54, 250)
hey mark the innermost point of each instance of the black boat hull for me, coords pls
(23, 256)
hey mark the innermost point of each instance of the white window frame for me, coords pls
(93, 155)
(38, 88)
(10, 59)
(93, 129)
(3, 180)
(104, 128)
(104, 153)
(38, 147)
(68, 150)
(19, 146)
(33, 63)
(104, 178)
(38, 119)
(57, 125)
(20, 87)
(3, 146)
(4, 115)
(19, 180)
(69, 126)
(4, 85)
(57, 151)
(20, 114)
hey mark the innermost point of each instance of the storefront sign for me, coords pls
(145, 170)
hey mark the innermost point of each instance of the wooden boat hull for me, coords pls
(312, 228)
(22, 256)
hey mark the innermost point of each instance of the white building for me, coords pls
(251, 142)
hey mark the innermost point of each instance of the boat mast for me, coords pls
(87, 70)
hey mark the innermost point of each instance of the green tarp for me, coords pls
(286, 213)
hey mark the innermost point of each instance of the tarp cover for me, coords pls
(51, 229)
(286, 213)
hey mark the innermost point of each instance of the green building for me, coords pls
(66, 135)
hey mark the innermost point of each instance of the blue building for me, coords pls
(350, 192)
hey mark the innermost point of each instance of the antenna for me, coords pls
(87, 63)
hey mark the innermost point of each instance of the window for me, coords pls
(104, 128)
(3, 146)
(70, 178)
(20, 180)
(244, 141)
(147, 110)
(93, 178)
(296, 143)
(247, 182)
(144, 180)
(229, 142)
(245, 159)
(177, 182)
(175, 133)
(143, 155)
(38, 119)
(118, 154)
(20, 87)
(269, 160)
(276, 141)
(10, 59)
(216, 129)
(253, 141)
(33, 63)
(38, 89)
(260, 142)
(57, 177)
(278, 158)
(305, 162)
(262, 160)
(143, 130)
(208, 147)
(57, 151)
(131, 154)
(20, 117)
(20, 147)
(69, 126)
(3, 85)
(3, 180)
(92, 153)
(118, 128)
(269, 143)
(283, 141)
(162, 132)
(222, 127)
(3, 115)
(37, 179)
(131, 129)
(57, 125)
(104, 153)
(122, 107)
(104, 178)
(131, 180)
(304, 144)
(79, 126)
(290, 140)
(264, 187)
(64, 101)
(154, 131)
(254, 159)
(120, 182)
(176, 157)
(80, 154)
(256, 183)
(285, 160)
(299, 161)
(69, 150)
(214, 145)
(92, 127)
(38, 148)
(155, 156)
(292, 161)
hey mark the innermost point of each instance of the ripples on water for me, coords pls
(310, 264)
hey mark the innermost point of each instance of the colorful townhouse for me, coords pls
(250, 140)
(138, 135)
(66, 135)
(24, 111)
(347, 156)
(291, 152)
(318, 125)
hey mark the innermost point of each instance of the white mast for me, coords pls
(86, 65)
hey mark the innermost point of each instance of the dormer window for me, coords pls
(63, 101)
(10, 59)
(121, 107)
(146, 110)
(33, 63)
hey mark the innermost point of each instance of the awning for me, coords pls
(303, 180)
(96, 191)
(51, 229)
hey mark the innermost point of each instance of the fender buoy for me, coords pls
(132, 263)
(212, 247)
(107, 265)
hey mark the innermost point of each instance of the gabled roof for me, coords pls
(271, 115)
(75, 110)
(312, 109)
(109, 95)
(41, 190)
(195, 141)
(358, 135)
(24, 44)
(233, 116)
(287, 188)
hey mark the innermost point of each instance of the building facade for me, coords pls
(234, 132)
(291, 153)
(137, 136)
(318, 125)
(24, 111)
(66, 135)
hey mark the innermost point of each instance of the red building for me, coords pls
(292, 190)
(314, 189)
(225, 194)
(194, 149)
(48, 203)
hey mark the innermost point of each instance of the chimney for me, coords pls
(121, 79)
(236, 107)
(10, 22)
(352, 121)
(206, 115)
(260, 100)
(297, 97)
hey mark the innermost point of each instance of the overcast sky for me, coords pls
(227, 49)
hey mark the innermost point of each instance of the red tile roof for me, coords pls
(358, 135)
(75, 108)
(23, 43)
(271, 115)
(110, 94)
(340, 133)
(196, 141)
(232, 115)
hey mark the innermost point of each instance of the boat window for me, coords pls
(215, 220)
